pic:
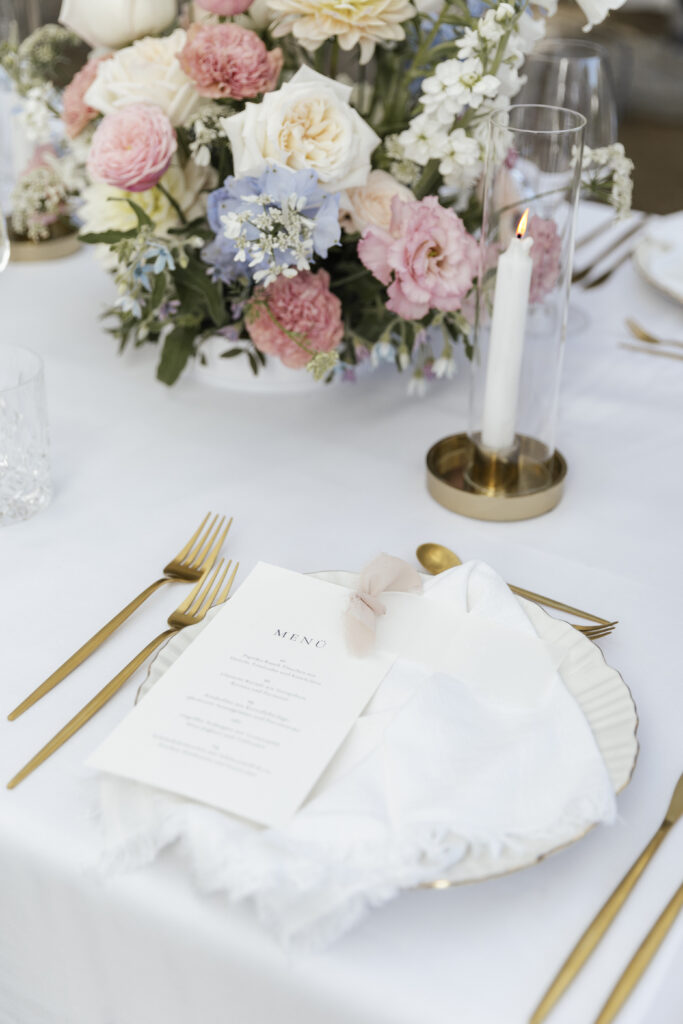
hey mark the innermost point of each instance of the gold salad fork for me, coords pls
(206, 594)
(191, 562)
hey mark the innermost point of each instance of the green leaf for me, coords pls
(231, 353)
(157, 293)
(178, 348)
(195, 278)
(107, 237)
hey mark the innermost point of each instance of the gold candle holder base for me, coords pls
(473, 483)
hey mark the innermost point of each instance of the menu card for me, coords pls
(250, 714)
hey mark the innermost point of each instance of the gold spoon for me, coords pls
(436, 558)
(642, 335)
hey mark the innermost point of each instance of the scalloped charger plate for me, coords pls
(599, 690)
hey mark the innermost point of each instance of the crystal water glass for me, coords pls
(24, 461)
(576, 74)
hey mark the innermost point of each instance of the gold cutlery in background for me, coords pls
(590, 236)
(603, 919)
(596, 281)
(189, 565)
(580, 274)
(641, 959)
(648, 351)
(205, 595)
(639, 332)
(436, 558)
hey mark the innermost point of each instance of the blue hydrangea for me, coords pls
(273, 224)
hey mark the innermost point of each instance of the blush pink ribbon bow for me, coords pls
(383, 573)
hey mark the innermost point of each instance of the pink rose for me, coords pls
(228, 60)
(225, 7)
(76, 113)
(427, 258)
(305, 307)
(132, 147)
(545, 257)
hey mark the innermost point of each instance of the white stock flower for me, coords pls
(461, 164)
(146, 72)
(114, 23)
(308, 123)
(457, 84)
(424, 139)
(364, 22)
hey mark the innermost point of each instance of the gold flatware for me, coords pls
(205, 594)
(641, 959)
(639, 332)
(594, 282)
(623, 237)
(189, 565)
(650, 351)
(436, 558)
(590, 236)
(603, 919)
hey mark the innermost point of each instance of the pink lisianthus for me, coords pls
(545, 257)
(295, 317)
(427, 258)
(76, 113)
(226, 8)
(132, 147)
(229, 61)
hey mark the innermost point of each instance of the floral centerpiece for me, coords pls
(298, 176)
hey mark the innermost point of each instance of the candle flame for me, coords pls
(521, 227)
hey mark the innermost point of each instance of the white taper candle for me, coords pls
(506, 345)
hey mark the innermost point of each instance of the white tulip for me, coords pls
(114, 23)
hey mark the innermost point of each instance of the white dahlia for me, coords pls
(366, 22)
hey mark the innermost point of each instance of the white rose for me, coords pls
(370, 204)
(308, 123)
(114, 23)
(597, 10)
(146, 72)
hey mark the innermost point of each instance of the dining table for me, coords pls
(316, 481)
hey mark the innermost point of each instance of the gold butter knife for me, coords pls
(603, 919)
(641, 959)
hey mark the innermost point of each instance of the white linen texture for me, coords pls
(431, 773)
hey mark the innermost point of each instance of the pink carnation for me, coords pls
(228, 60)
(225, 7)
(427, 258)
(76, 113)
(545, 257)
(132, 147)
(303, 306)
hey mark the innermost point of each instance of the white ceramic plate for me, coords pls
(659, 255)
(598, 689)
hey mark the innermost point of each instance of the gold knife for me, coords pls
(603, 919)
(641, 959)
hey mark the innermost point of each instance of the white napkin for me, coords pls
(433, 771)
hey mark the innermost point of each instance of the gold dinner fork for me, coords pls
(191, 562)
(205, 595)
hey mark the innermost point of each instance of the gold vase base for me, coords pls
(465, 480)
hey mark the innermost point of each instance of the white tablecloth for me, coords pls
(322, 481)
